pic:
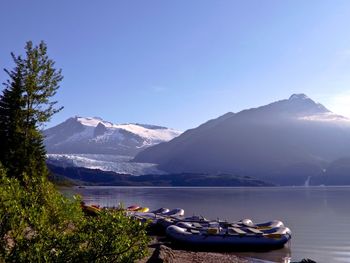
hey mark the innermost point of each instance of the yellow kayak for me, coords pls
(143, 209)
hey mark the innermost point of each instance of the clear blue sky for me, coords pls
(180, 63)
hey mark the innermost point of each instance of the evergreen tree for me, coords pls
(11, 123)
(25, 106)
(41, 81)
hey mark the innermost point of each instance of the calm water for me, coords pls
(318, 217)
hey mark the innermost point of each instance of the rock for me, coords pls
(163, 254)
(166, 254)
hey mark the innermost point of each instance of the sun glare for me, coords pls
(340, 104)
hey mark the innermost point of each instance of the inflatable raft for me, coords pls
(166, 221)
(232, 237)
(199, 221)
(159, 214)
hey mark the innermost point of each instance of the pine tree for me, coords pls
(25, 106)
(11, 123)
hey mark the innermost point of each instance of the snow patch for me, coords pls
(93, 121)
(92, 137)
(151, 132)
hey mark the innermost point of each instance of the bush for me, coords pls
(112, 237)
(38, 224)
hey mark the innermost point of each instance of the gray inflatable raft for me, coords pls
(233, 237)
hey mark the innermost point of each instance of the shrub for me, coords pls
(38, 224)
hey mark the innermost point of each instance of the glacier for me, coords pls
(106, 162)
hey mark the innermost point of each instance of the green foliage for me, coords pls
(11, 124)
(113, 237)
(33, 218)
(40, 82)
(37, 223)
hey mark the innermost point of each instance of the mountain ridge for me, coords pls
(93, 135)
(270, 142)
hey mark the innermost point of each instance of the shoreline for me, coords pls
(161, 250)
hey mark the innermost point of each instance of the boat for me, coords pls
(161, 210)
(172, 220)
(133, 208)
(230, 237)
(176, 212)
(142, 209)
(156, 215)
(266, 225)
(200, 222)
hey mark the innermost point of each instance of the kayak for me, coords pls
(233, 237)
(142, 209)
(133, 208)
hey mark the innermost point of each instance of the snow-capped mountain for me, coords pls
(81, 135)
(284, 142)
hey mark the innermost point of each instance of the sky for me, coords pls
(181, 63)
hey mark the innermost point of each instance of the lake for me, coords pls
(319, 217)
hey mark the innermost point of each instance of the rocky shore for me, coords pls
(166, 254)
(160, 251)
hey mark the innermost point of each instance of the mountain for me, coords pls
(337, 173)
(81, 135)
(284, 142)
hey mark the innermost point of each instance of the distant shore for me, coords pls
(95, 177)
